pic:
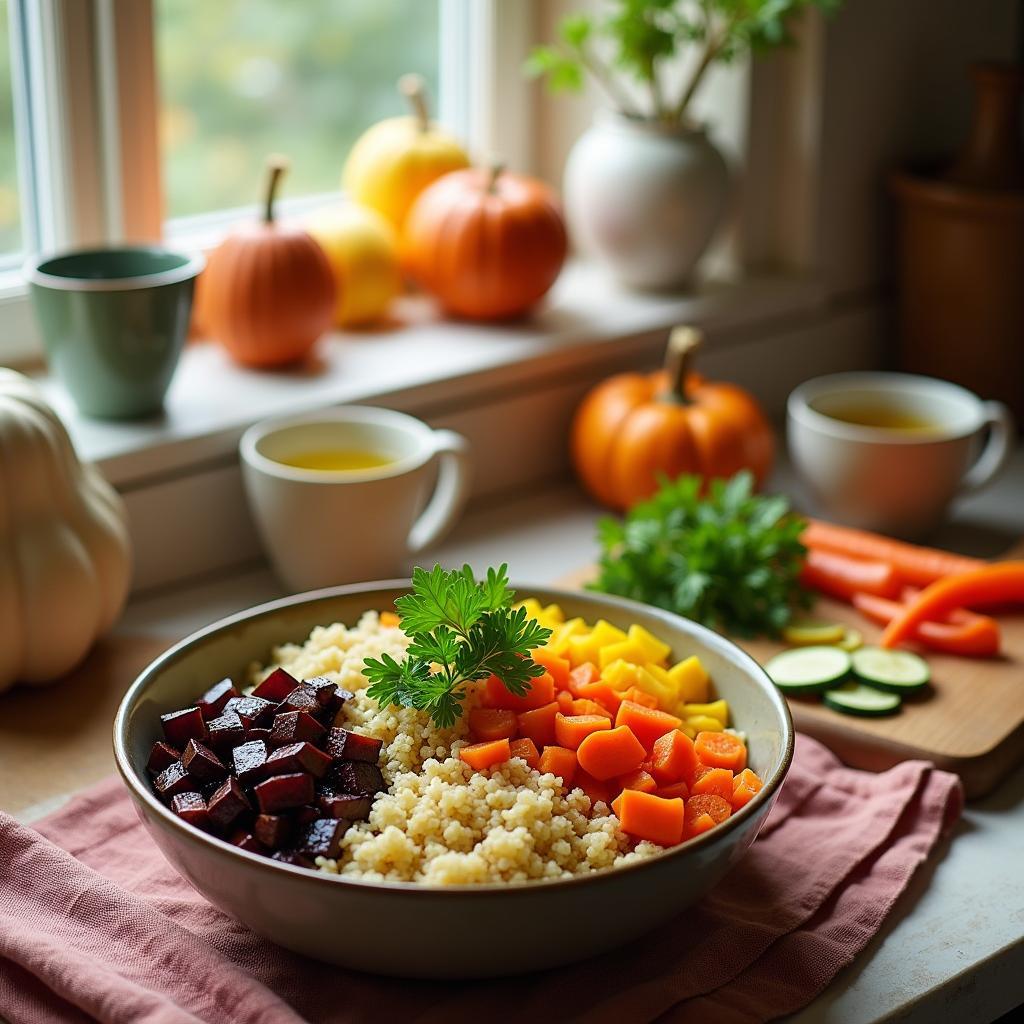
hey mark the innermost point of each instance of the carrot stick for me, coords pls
(917, 565)
(841, 576)
(964, 633)
(999, 583)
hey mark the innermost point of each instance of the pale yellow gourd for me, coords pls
(65, 559)
(395, 160)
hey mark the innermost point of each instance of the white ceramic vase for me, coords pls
(644, 198)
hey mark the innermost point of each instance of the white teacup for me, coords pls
(895, 480)
(327, 526)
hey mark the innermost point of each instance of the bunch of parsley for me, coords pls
(730, 559)
(460, 630)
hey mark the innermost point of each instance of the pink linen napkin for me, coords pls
(94, 924)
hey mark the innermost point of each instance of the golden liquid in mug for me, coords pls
(338, 460)
(883, 417)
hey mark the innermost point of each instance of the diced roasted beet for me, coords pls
(248, 759)
(211, 704)
(172, 780)
(202, 763)
(227, 802)
(305, 814)
(350, 806)
(182, 726)
(272, 830)
(283, 791)
(358, 777)
(245, 840)
(323, 689)
(253, 711)
(295, 727)
(302, 698)
(298, 757)
(160, 757)
(342, 744)
(261, 733)
(293, 857)
(225, 732)
(276, 686)
(191, 807)
(322, 838)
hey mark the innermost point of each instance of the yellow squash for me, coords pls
(396, 159)
(363, 253)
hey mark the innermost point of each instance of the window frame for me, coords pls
(86, 117)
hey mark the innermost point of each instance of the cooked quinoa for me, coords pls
(441, 821)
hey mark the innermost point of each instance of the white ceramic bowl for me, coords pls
(415, 930)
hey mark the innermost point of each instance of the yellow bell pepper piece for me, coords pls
(620, 675)
(552, 615)
(558, 642)
(661, 674)
(532, 606)
(588, 648)
(690, 679)
(688, 730)
(650, 683)
(718, 709)
(653, 649)
(624, 651)
(704, 723)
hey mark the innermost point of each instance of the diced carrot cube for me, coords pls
(673, 758)
(596, 789)
(745, 787)
(583, 675)
(703, 804)
(557, 667)
(713, 780)
(608, 753)
(541, 691)
(564, 699)
(650, 817)
(560, 761)
(582, 706)
(674, 789)
(648, 724)
(721, 750)
(525, 749)
(538, 724)
(640, 780)
(572, 730)
(484, 755)
(492, 724)
(638, 696)
(694, 826)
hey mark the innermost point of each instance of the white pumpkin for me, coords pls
(65, 555)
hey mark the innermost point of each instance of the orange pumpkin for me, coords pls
(487, 243)
(268, 291)
(633, 427)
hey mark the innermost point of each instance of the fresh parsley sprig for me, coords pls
(460, 630)
(728, 558)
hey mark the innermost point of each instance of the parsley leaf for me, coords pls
(460, 630)
(729, 558)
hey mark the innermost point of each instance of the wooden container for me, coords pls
(961, 252)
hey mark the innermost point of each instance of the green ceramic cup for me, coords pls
(114, 322)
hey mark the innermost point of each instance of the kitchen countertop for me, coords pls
(952, 948)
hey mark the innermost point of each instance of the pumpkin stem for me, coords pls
(683, 342)
(276, 166)
(495, 169)
(414, 89)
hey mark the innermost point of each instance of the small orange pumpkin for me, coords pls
(633, 427)
(268, 291)
(487, 243)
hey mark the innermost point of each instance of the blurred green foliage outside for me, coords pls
(10, 217)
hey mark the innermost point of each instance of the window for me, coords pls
(239, 79)
(10, 214)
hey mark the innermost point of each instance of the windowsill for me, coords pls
(423, 364)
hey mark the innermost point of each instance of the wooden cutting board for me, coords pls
(970, 721)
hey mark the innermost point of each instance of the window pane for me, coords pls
(243, 78)
(10, 216)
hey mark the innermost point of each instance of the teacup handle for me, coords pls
(450, 494)
(997, 450)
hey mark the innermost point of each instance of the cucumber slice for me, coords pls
(852, 639)
(892, 671)
(858, 699)
(813, 634)
(808, 669)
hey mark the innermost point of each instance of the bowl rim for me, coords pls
(141, 791)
